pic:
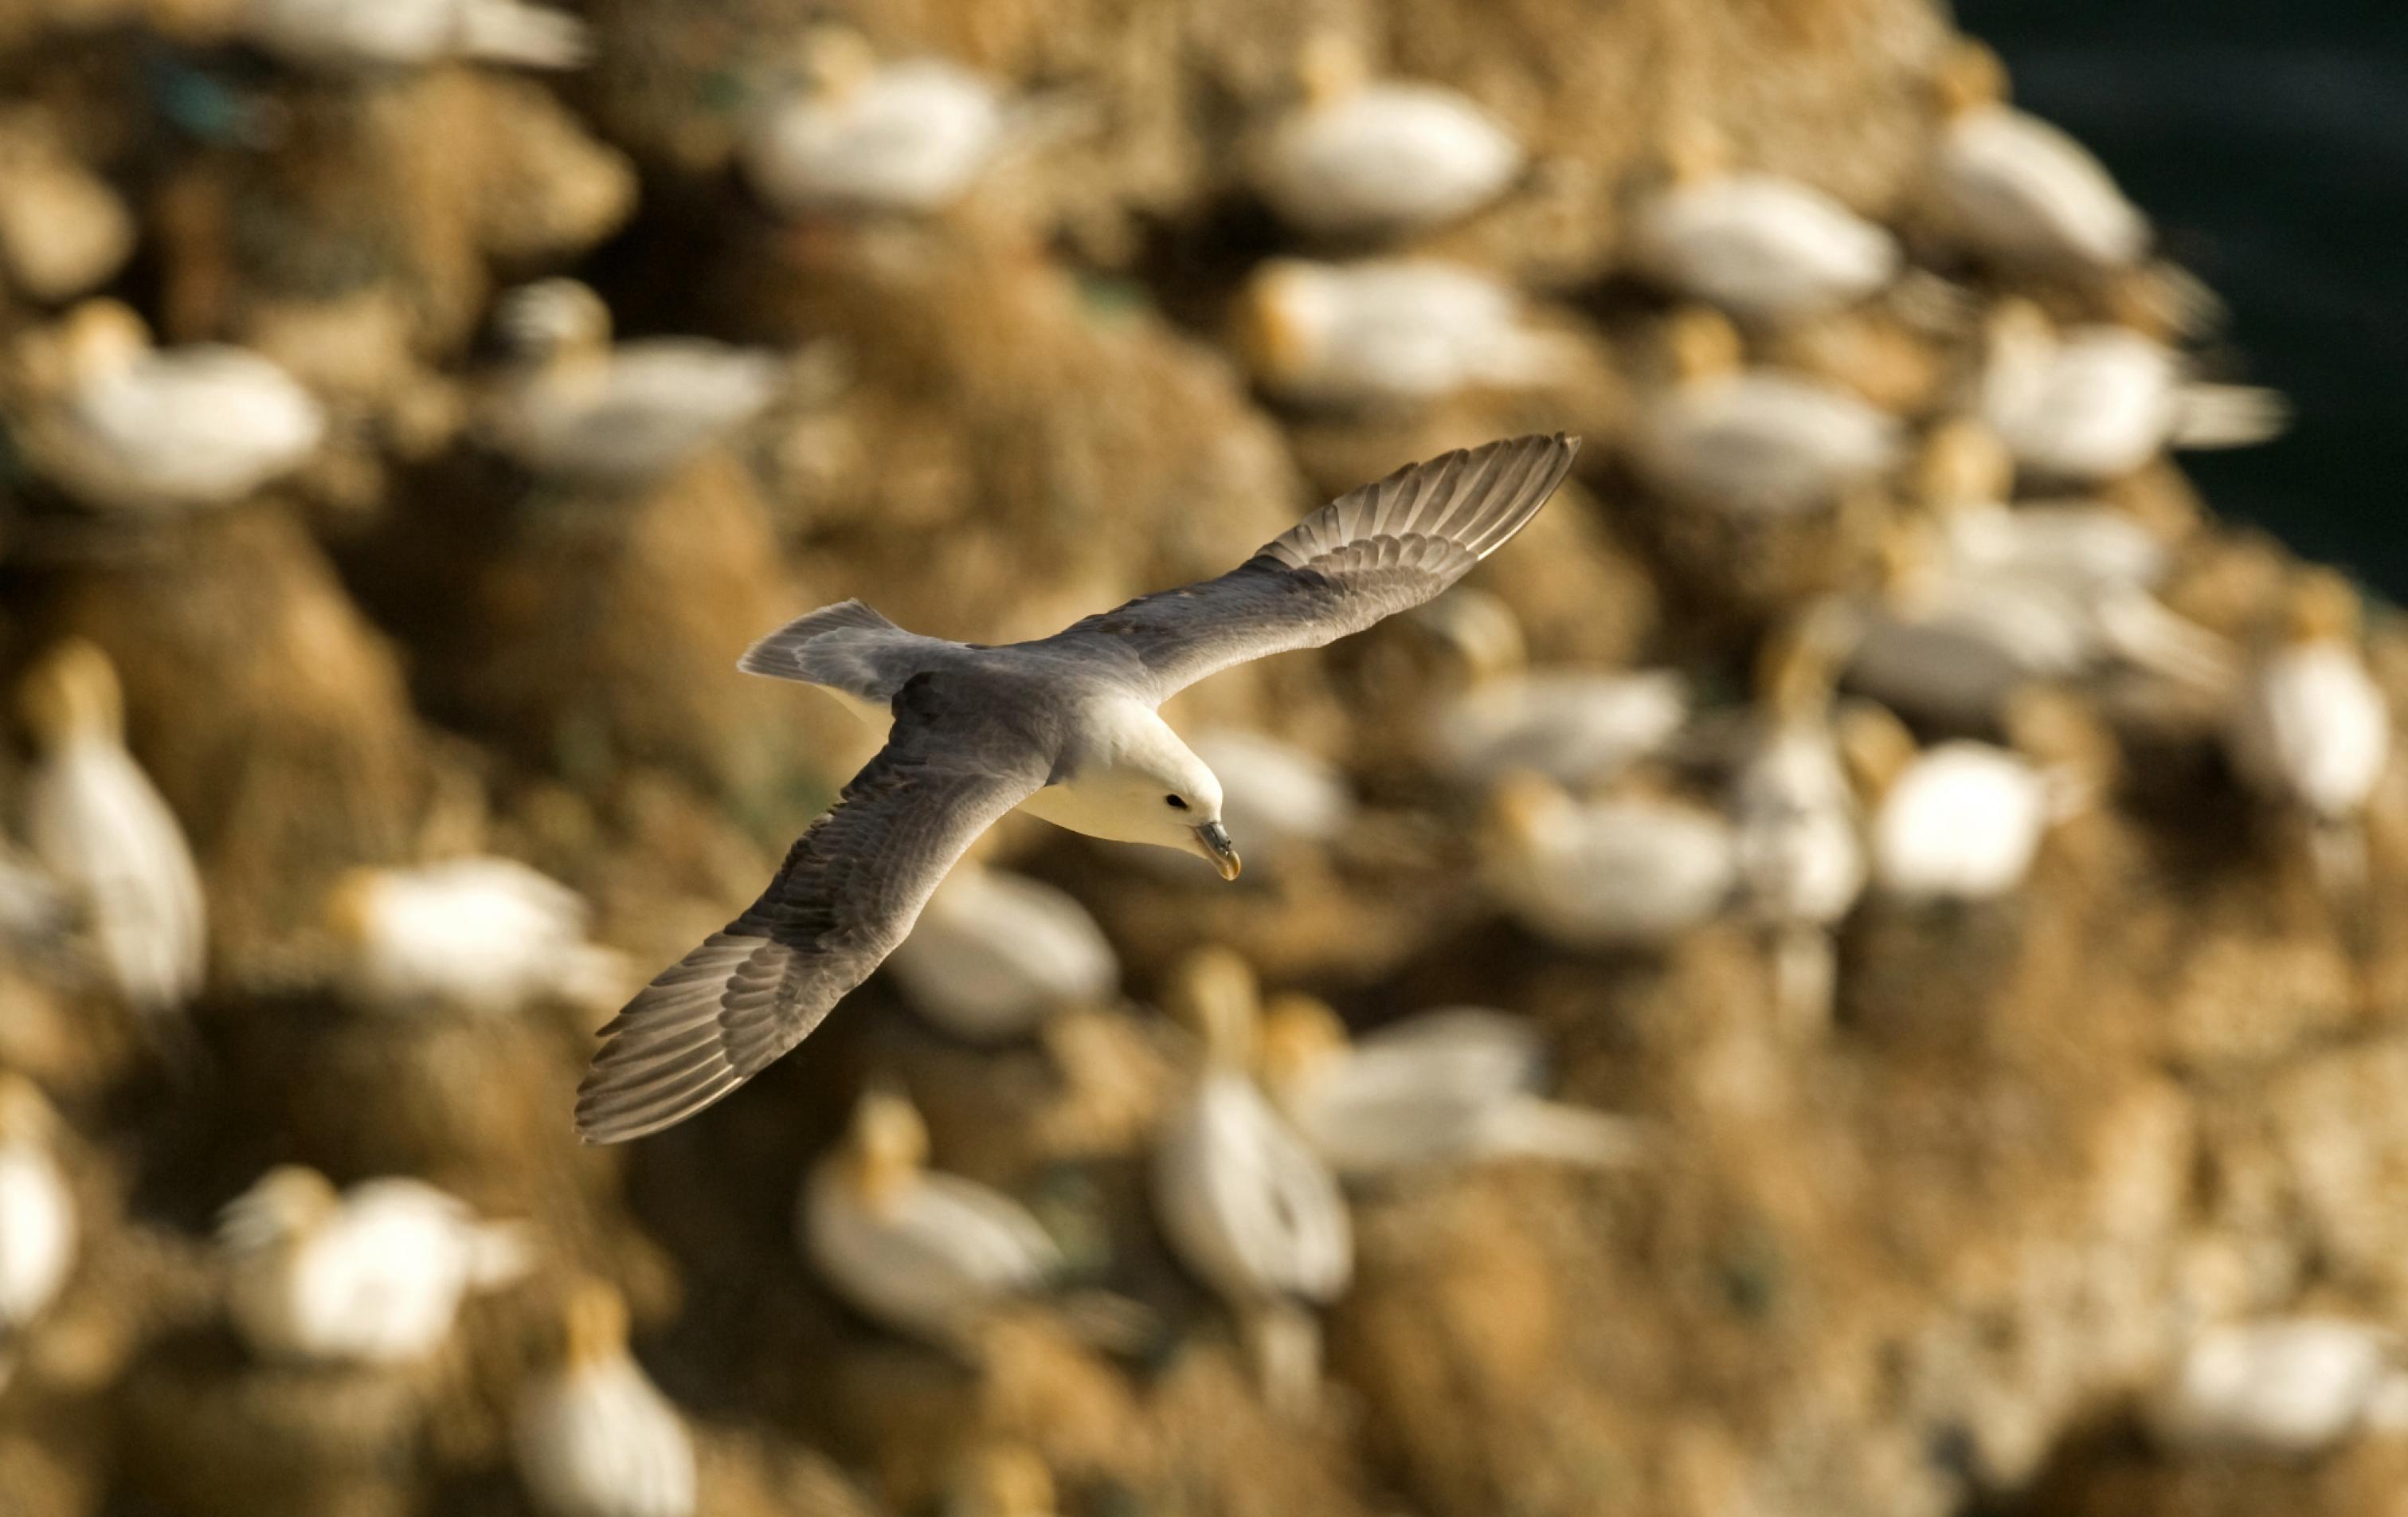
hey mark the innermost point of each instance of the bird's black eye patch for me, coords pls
(1174, 803)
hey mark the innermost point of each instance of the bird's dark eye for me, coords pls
(1174, 803)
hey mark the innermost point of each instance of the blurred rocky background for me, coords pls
(1853, 969)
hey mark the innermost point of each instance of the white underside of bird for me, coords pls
(2289, 1387)
(481, 934)
(1764, 444)
(1572, 725)
(912, 137)
(1617, 873)
(396, 33)
(1398, 331)
(1762, 247)
(1386, 158)
(198, 425)
(1454, 1085)
(96, 823)
(640, 412)
(2100, 401)
(378, 1282)
(932, 1260)
(2020, 190)
(2313, 729)
(995, 953)
(600, 1440)
(1962, 822)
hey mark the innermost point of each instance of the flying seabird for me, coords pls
(1063, 726)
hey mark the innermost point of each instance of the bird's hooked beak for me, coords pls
(1212, 842)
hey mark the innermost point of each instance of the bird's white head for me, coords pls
(1151, 788)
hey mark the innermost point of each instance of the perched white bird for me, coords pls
(1390, 332)
(2312, 731)
(594, 1436)
(1754, 441)
(2016, 190)
(1760, 246)
(2288, 1386)
(373, 34)
(1961, 821)
(931, 1256)
(996, 953)
(96, 823)
(38, 1213)
(122, 425)
(575, 405)
(62, 229)
(1575, 726)
(481, 934)
(1799, 830)
(2100, 402)
(1244, 1202)
(372, 1276)
(1632, 871)
(1281, 800)
(1390, 157)
(861, 136)
(1456, 1086)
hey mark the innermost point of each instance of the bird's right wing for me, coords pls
(848, 891)
(1367, 555)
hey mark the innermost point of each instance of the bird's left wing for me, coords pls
(1367, 555)
(848, 891)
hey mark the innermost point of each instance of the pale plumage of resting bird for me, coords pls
(2016, 189)
(38, 1213)
(1760, 246)
(908, 137)
(929, 1255)
(1961, 821)
(97, 824)
(1064, 727)
(374, 1275)
(340, 34)
(1754, 441)
(1629, 872)
(993, 954)
(1244, 1202)
(1396, 332)
(124, 427)
(1359, 158)
(2100, 402)
(2289, 1387)
(2312, 730)
(578, 407)
(593, 1436)
(1575, 726)
(483, 935)
(1460, 1085)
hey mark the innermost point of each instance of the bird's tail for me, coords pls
(500, 1255)
(1283, 1343)
(2142, 630)
(531, 36)
(1535, 1129)
(2229, 416)
(848, 647)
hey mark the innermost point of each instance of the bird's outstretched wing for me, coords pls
(1367, 555)
(848, 891)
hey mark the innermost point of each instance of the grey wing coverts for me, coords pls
(850, 890)
(1367, 555)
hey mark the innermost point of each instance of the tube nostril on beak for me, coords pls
(1213, 839)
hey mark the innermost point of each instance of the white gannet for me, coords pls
(593, 1436)
(483, 935)
(575, 405)
(2016, 190)
(995, 953)
(1799, 831)
(63, 229)
(1389, 157)
(372, 1276)
(928, 1255)
(1246, 1205)
(2100, 402)
(1392, 332)
(372, 34)
(38, 1213)
(1632, 871)
(2290, 1387)
(1064, 728)
(1961, 821)
(1760, 246)
(1575, 726)
(122, 425)
(96, 823)
(1458, 1085)
(862, 136)
(2312, 730)
(1754, 441)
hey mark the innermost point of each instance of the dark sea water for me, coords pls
(2270, 141)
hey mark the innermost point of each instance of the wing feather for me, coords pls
(1367, 555)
